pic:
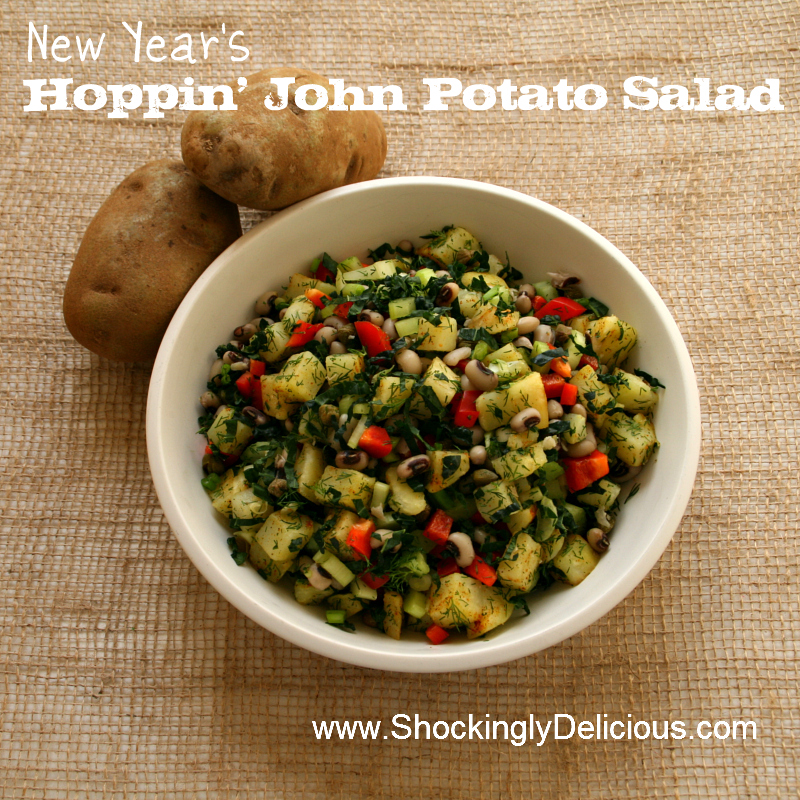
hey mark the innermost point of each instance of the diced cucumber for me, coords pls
(335, 568)
(415, 604)
(545, 520)
(380, 493)
(578, 517)
(349, 264)
(334, 616)
(353, 289)
(546, 289)
(481, 351)
(509, 336)
(418, 565)
(424, 275)
(398, 309)
(508, 371)
(358, 432)
(362, 591)
(346, 403)
(556, 489)
(362, 409)
(408, 326)
(550, 471)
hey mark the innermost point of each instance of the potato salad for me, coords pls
(420, 439)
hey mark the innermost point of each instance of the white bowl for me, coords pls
(538, 238)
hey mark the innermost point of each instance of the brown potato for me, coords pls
(270, 159)
(147, 244)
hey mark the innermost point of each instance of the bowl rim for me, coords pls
(434, 659)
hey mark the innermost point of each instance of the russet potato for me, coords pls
(269, 159)
(146, 246)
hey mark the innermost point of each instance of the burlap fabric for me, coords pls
(125, 675)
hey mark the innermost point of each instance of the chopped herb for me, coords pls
(654, 382)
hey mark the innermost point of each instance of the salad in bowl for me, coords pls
(420, 440)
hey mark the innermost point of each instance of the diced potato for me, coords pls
(444, 383)
(444, 248)
(612, 340)
(391, 394)
(301, 378)
(516, 464)
(518, 568)
(601, 399)
(345, 488)
(469, 303)
(497, 407)
(274, 570)
(275, 404)
(343, 367)
(307, 595)
(576, 559)
(633, 438)
(347, 603)
(247, 505)
(336, 536)
(577, 428)
(521, 441)
(277, 341)
(230, 437)
(493, 320)
(284, 534)
(603, 495)
(403, 498)
(301, 309)
(393, 606)
(375, 272)
(442, 337)
(231, 485)
(633, 393)
(447, 466)
(308, 469)
(491, 280)
(520, 520)
(497, 500)
(310, 428)
(507, 352)
(460, 601)
(581, 323)
(552, 547)
(298, 284)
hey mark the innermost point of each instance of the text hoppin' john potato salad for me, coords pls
(419, 441)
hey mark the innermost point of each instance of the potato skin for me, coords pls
(270, 159)
(146, 246)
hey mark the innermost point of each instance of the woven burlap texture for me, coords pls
(124, 675)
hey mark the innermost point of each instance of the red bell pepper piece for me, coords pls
(303, 333)
(257, 368)
(466, 412)
(228, 461)
(538, 302)
(562, 307)
(374, 581)
(257, 399)
(462, 365)
(569, 395)
(317, 297)
(343, 309)
(438, 527)
(553, 386)
(447, 567)
(373, 338)
(436, 634)
(245, 385)
(589, 361)
(581, 472)
(482, 571)
(358, 537)
(376, 441)
(322, 273)
(560, 366)
(477, 518)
